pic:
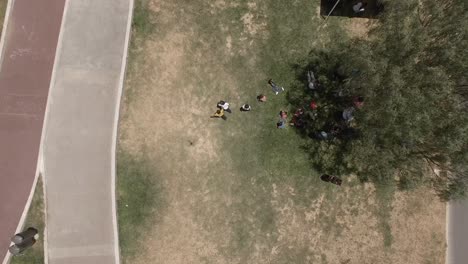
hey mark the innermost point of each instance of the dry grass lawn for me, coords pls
(241, 191)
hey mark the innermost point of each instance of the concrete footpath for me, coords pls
(27, 57)
(457, 232)
(81, 121)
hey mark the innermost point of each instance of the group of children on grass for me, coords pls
(298, 120)
(341, 125)
(223, 106)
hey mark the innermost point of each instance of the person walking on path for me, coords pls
(224, 105)
(276, 89)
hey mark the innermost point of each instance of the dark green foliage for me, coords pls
(413, 126)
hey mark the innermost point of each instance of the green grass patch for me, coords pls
(142, 20)
(140, 196)
(385, 193)
(244, 180)
(35, 219)
(3, 5)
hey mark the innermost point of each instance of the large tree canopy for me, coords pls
(413, 127)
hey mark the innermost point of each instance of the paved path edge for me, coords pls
(116, 127)
(5, 25)
(2, 46)
(447, 229)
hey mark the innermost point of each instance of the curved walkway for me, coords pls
(26, 61)
(79, 143)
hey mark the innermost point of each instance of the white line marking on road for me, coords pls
(80, 252)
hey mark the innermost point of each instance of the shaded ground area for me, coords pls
(241, 191)
(35, 218)
(345, 8)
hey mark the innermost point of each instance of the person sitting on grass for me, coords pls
(283, 114)
(261, 98)
(224, 105)
(219, 114)
(245, 108)
(297, 122)
(313, 105)
(358, 102)
(359, 7)
(332, 179)
(348, 114)
(311, 80)
(281, 124)
(297, 118)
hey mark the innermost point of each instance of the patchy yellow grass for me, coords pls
(359, 28)
(215, 213)
(418, 228)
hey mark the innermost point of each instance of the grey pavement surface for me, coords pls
(80, 124)
(457, 232)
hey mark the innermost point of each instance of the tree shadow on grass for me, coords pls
(328, 135)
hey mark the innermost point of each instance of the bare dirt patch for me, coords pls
(416, 218)
(359, 28)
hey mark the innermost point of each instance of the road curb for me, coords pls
(115, 132)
